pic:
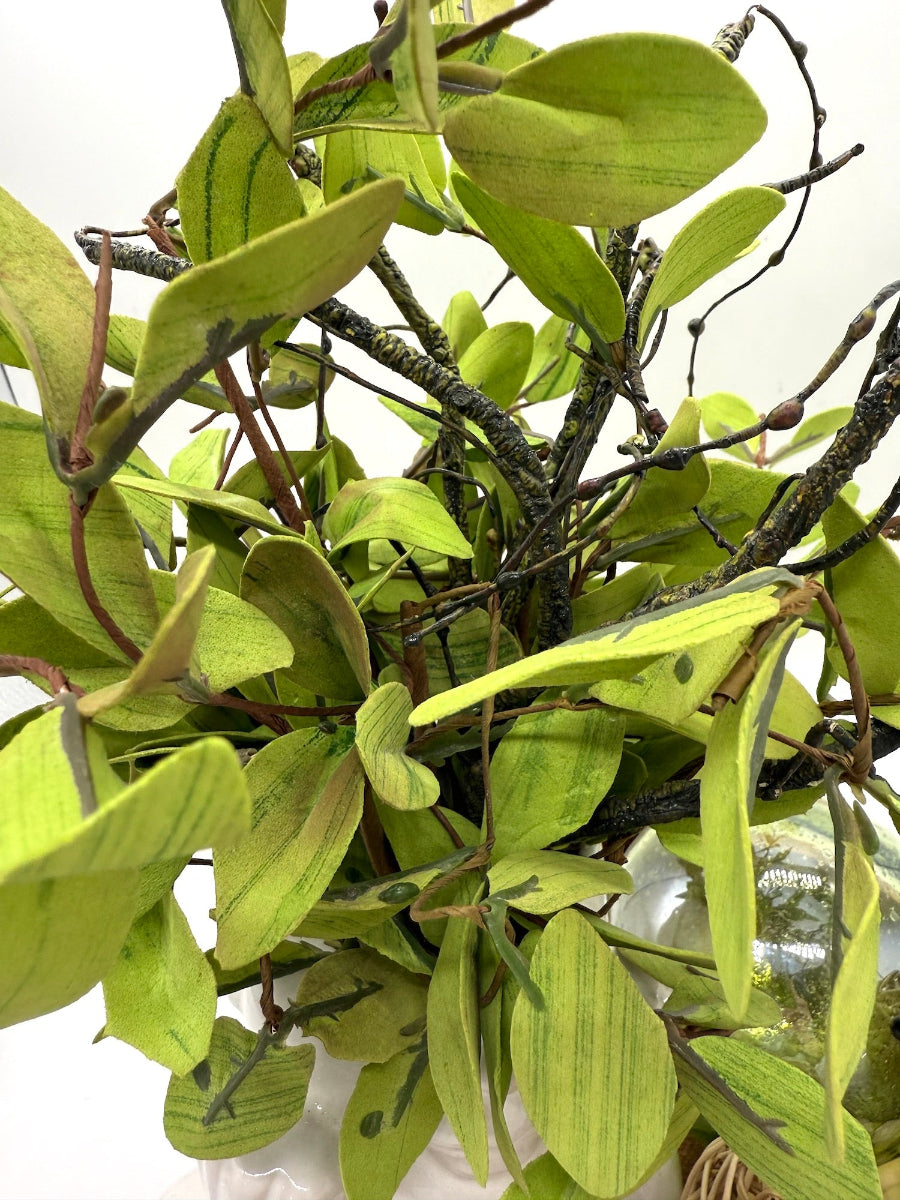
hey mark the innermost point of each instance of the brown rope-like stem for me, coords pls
(83, 574)
(22, 664)
(271, 1011)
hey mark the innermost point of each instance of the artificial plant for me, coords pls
(399, 708)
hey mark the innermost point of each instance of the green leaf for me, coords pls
(549, 773)
(215, 309)
(59, 937)
(249, 480)
(350, 153)
(414, 68)
(614, 652)
(293, 383)
(596, 1079)
(10, 354)
(123, 348)
(47, 312)
(816, 428)
(388, 1121)
(192, 798)
(734, 755)
(553, 260)
(199, 463)
(381, 1025)
(169, 661)
(853, 998)
(700, 1000)
(724, 413)
(402, 509)
(359, 907)
(382, 731)
(711, 241)
(463, 322)
(554, 369)
(866, 590)
(664, 495)
(227, 504)
(36, 549)
(293, 584)
(236, 185)
(498, 360)
(375, 105)
(454, 1041)
(161, 994)
(782, 1094)
(268, 1102)
(153, 514)
(306, 791)
(543, 881)
(263, 67)
(496, 1018)
(608, 130)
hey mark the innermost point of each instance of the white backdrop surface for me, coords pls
(102, 103)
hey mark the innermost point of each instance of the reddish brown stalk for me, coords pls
(414, 656)
(271, 1011)
(305, 510)
(861, 763)
(253, 707)
(284, 499)
(79, 455)
(501, 21)
(21, 664)
(82, 572)
(372, 833)
(226, 462)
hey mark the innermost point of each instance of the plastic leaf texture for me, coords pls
(382, 731)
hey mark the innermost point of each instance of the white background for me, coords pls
(102, 103)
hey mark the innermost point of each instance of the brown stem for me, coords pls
(284, 499)
(305, 510)
(487, 28)
(21, 664)
(82, 572)
(271, 1011)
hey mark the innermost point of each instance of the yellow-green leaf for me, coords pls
(219, 307)
(36, 547)
(382, 731)
(549, 773)
(596, 1078)
(264, 1106)
(227, 504)
(263, 67)
(293, 584)
(734, 755)
(47, 313)
(853, 997)
(306, 791)
(389, 1120)
(608, 130)
(784, 1095)
(542, 881)
(553, 261)
(454, 1041)
(161, 994)
(385, 1023)
(554, 368)
(498, 360)
(414, 68)
(723, 413)
(463, 322)
(616, 651)
(403, 509)
(710, 242)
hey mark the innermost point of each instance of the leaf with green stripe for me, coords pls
(710, 242)
(299, 591)
(454, 1039)
(236, 185)
(227, 504)
(402, 509)
(382, 731)
(389, 1120)
(386, 1022)
(794, 1106)
(306, 791)
(608, 130)
(617, 651)
(414, 67)
(596, 1078)
(853, 998)
(161, 994)
(217, 308)
(263, 67)
(734, 755)
(553, 261)
(543, 881)
(36, 546)
(266, 1104)
(47, 314)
